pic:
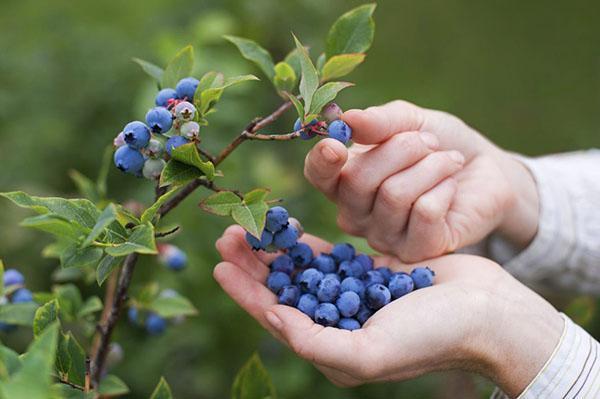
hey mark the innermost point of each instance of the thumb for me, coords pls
(323, 165)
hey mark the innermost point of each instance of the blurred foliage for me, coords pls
(526, 74)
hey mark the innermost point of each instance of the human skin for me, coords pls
(419, 183)
(476, 318)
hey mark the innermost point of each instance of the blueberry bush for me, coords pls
(99, 241)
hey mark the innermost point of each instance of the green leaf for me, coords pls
(70, 349)
(80, 211)
(341, 65)
(111, 385)
(162, 390)
(106, 266)
(86, 187)
(108, 215)
(92, 305)
(321, 62)
(293, 60)
(64, 391)
(325, 94)
(55, 225)
(189, 155)
(221, 203)
(177, 173)
(172, 306)
(210, 96)
(33, 379)
(141, 241)
(210, 79)
(179, 67)
(310, 79)
(44, 316)
(9, 362)
(69, 300)
(149, 213)
(73, 256)
(285, 77)
(353, 32)
(297, 105)
(253, 381)
(125, 216)
(63, 357)
(20, 314)
(251, 213)
(252, 51)
(154, 71)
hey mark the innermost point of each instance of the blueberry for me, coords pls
(163, 97)
(297, 125)
(327, 314)
(363, 314)
(348, 303)
(339, 130)
(373, 277)
(324, 263)
(155, 149)
(277, 218)
(288, 295)
(277, 280)
(173, 257)
(282, 263)
(155, 324)
(302, 254)
(307, 304)
(186, 88)
(286, 237)
(153, 168)
(377, 296)
(132, 315)
(129, 160)
(350, 268)
(159, 120)
(385, 272)
(366, 262)
(333, 275)
(190, 130)
(266, 239)
(297, 225)
(310, 279)
(342, 252)
(332, 112)
(13, 277)
(353, 284)
(136, 134)
(306, 133)
(422, 277)
(185, 111)
(329, 289)
(174, 142)
(400, 284)
(22, 295)
(348, 324)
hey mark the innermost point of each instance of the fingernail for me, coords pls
(329, 155)
(457, 157)
(430, 140)
(273, 320)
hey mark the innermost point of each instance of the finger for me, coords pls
(398, 193)
(233, 248)
(376, 124)
(364, 173)
(428, 233)
(338, 377)
(323, 165)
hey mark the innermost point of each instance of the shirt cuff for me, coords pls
(573, 370)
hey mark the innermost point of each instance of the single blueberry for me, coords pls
(339, 130)
(377, 296)
(342, 252)
(286, 238)
(174, 142)
(385, 272)
(350, 268)
(333, 275)
(373, 277)
(186, 88)
(324, 263)
(190, 130)
(353, 284)
(327, 314)
(266, 238)
(13, 277)
(310, 279)
(422, 277)
(282, 263)
(366, 261)
(155, 149)
(329, 289)
(288, 295)
(400, 284)
(155, 324)
(153, 168)
(348, 303)
(306, 133)
(363, 313)
(163, 97)
(159, 119)
(22, 295)
(277, 218)
(307, 304)
(129, 160)
(173, 257)
(136, 134)
(277, 280)
(332, 112)
(185, 111)
(348, 324)
(302, 254)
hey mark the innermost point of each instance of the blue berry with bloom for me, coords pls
(366, 262)
(400, 284)
(329, 289)
(327, 314)
(348, 303)
(373, 277)
(163, 97)
(22, 295)
(186, 88)
(340, 131)
(353, 284)
(289, 295)
(349, 324)
(422, 277)
(307, 304)
(129, 160)
(277, 280)
(159, 119)
(309, 280)
(136, 135)
(13, 277)
(363, 314)
(286, 238)
(283, 263)
(385, 272)
(324, 263)
(172, 257)
(266, 238)
(302, 254)
(155, 325)
(174, 142)
(342, 252)
(276, 219)
(350, 268)
(377, 296)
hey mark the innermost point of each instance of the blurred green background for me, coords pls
(526, 74)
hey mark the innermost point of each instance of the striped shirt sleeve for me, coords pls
(573, 370)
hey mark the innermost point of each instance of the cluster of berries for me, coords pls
(172, 257)
(152, 322)
(14, 292)
(141, 146)
(336, 128)
(280, 233)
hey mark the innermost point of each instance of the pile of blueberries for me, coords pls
(341, 288)
(14, 292)
(140, 148)
(336, 128)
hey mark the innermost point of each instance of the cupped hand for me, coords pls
(476, 317)
(420, 183)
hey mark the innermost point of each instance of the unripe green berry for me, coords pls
(155, 149)
(190, 130)
(153, 168)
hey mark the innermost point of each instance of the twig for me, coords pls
(111, 287)
(86, 388)
(79, 387)
(206, 154)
